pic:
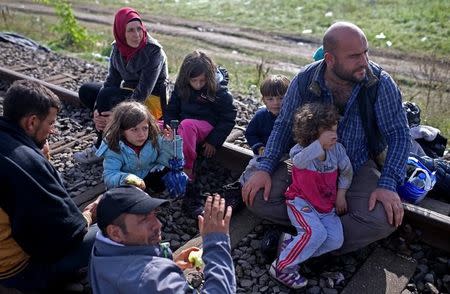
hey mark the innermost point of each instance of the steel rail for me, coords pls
(431, 216)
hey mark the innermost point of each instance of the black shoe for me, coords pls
(192, 203)
(269, 243)
(233, 195)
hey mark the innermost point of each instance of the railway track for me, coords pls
(432, 217)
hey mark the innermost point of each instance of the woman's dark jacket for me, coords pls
(146, 72)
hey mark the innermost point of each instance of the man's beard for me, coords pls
(39, 144)
(347, 76)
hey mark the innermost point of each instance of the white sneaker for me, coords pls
(87, 156)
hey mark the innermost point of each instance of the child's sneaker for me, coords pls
(269, 243)
(290, 279)
(192, 204)
(233, 196)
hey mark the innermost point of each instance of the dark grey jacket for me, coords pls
(45, 221)
(146, 72)
(118, 269)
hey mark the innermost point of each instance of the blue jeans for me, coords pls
(39, 276)
(317, 233)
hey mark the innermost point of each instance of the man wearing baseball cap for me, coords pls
(127, 256)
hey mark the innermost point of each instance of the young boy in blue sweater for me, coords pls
(258, 131)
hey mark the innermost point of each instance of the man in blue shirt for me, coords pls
(374, 207)
(128, 257)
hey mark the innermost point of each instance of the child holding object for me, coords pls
(204, 106)
(321, 175)
(134, 150)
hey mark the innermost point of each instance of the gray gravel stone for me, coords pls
(429, 278)
(313, 290)
(429, 287)
(246, 283)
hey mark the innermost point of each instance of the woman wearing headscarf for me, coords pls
(137, 71)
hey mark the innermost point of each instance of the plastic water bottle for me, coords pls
(419, 181)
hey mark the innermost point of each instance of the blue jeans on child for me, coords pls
(317, 233)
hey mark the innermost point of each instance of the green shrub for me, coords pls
(71, 34)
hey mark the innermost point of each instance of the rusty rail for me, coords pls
(431, 216)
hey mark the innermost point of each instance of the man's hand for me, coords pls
(215, 219)
(259, 180)
(209, 150)
(182, 259)
(327, 139)
(391, 202)
(341, 202)
(101, 119)
(46, 150)
(90, 211)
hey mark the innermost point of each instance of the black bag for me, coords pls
(435, 148)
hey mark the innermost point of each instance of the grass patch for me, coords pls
(242, 75)
(413, 26)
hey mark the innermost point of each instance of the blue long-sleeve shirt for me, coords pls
(259, 129)
(115, 268)
(390, 119)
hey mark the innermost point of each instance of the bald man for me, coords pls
(372, 128)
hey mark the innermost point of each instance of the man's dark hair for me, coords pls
(25, 98)
(120, 222)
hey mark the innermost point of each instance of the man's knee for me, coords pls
(373, 223)
(275, 211)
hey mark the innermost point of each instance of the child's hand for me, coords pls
(327, 139)
(168, 133)
(341, 202)
(209, 150)
(135, 181)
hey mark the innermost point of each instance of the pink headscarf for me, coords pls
(122, 18)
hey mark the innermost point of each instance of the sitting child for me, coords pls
(133, 149)
(204, 106)
(258, 131)
(321, 175)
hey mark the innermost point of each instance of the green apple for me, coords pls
(195, 258)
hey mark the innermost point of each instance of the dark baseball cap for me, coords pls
(124, 199)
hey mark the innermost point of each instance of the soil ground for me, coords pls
(229, 41)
